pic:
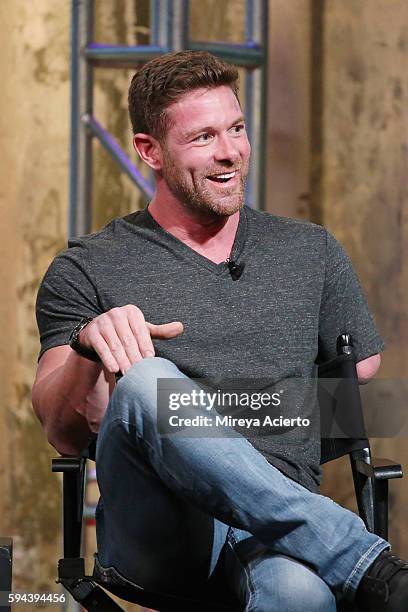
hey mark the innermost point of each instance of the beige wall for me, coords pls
(289, 109)
(363, 180)
(34, 130)
(337, 154)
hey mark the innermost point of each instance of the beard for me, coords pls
(198, 196)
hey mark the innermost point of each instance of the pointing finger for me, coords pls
(165, 330)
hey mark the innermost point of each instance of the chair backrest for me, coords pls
(341, 415)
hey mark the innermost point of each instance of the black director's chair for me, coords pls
(342, 410)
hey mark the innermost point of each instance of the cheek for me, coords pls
(246, 149)
(198, 166)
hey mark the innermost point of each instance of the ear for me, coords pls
(149, 150)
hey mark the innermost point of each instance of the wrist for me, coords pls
(77, 346)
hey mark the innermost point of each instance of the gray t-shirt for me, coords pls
(297, 293)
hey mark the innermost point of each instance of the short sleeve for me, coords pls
(344, 308)
(67, 294)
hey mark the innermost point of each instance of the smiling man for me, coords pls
(201, 166)
(205, 165)
(199, 285)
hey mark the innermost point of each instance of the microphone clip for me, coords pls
(235, 269)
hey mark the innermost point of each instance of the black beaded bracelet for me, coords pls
(77, 346)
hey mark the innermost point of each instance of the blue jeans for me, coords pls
(174, 508)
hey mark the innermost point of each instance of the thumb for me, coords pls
(165, 330)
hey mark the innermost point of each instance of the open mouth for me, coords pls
(222, 178)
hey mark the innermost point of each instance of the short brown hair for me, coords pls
(167, 78)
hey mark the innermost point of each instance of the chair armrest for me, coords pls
(73, 469)
(379, 468)
(66, 464)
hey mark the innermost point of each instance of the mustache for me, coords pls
(224, 170)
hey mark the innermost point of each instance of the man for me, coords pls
(196, 286)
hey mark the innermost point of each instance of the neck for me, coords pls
(209, 234)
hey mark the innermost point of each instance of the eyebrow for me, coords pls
(198, 130)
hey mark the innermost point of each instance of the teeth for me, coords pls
(225, 176)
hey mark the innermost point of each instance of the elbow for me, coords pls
(368, 368)
(62, 443)
(37, 403)
(50, 426)
(41, 416)
(61, 446)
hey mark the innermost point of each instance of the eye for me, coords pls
(237, 129)
(205, 137)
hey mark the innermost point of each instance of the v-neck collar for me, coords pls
(188, 252)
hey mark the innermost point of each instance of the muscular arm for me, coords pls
(70, 396)
(71, 393)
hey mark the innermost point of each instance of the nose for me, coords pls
(226, 149)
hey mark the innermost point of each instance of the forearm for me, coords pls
(61, 397)
(71, 393)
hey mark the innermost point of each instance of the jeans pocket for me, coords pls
(110, 575)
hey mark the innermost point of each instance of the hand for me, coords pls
(121, 337)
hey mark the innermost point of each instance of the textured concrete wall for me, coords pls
(365, 188)
(289, 108)
(362, 184)
(34, 129)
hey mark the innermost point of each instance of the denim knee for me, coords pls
(135, 396)
(298, 597)
(316, 597)
(150, 369)
(284, 584)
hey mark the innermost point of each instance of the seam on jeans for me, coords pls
(253, 593)
(112, 574)
(357, 567)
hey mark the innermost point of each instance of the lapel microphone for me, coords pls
(235, 269)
